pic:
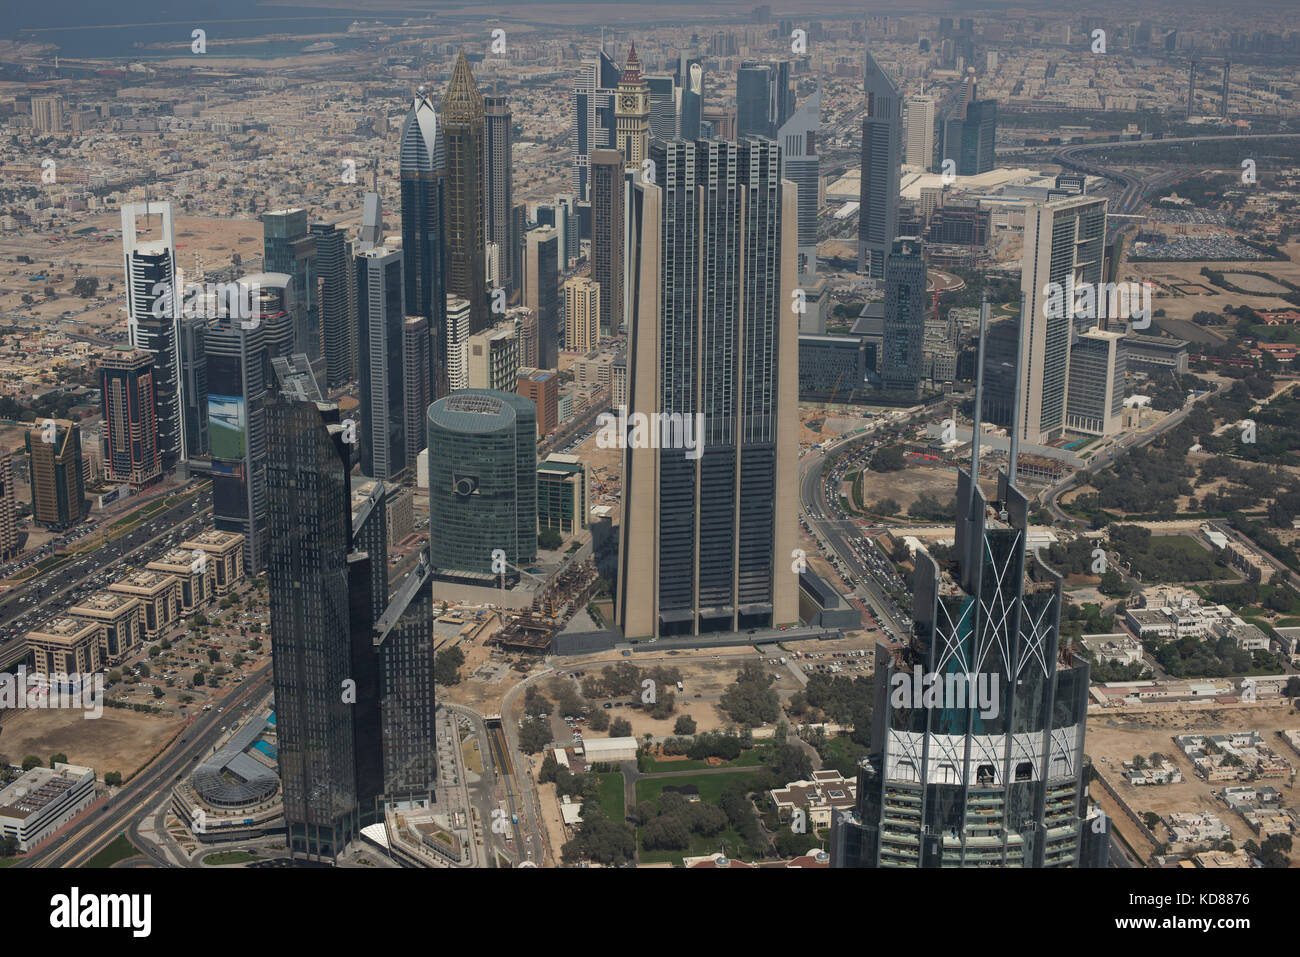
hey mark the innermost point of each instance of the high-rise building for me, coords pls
(977, 752)
(594, 93)
(708, 521)
(801, 166)
(9, 541)
(1095, 401)
(920, 132)
(416, 381)
(424, 235)
(55, 467)
(493, 358)
(456, 348)
(239, 370)
(482, 484)
(569, 229)
(663, 105)
(289, 248)
(314, 592)
(130, 429)
(542, 293)
(608, 236)
(1064, 244)
(753, 99)
(403, 642)
(462, 128)
(525, 321)
(969, 137)
(632, 113)
(882, 136)
(194, 383)
(690, 92)
(901, 366)
(335, 305)
(384, 454)
(582, 296)
(562, 494)
(275, 300)
(542, 388)
(47, 114)
(498, 188)
(153, 312)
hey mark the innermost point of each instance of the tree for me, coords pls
(31, 761)
(145, 670)
(213, 655)
(8, 846)
(685, 724)
(446, 666)
(113, 778)
(599, 720)
(197, 680)
(1113, 584)
(549, 539)
(157, 692)
(620, 728)
(888, 459)
(59, 758)
(534, 734)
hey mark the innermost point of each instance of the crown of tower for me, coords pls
(632, 72)
(463, 101)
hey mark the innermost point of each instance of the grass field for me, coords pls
(748, 759)
(119, 850)
(711, 787)
(611, 795)
(228, 857)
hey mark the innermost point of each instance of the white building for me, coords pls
(43, 800)
(609, 749)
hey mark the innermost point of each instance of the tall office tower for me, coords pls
(541, 291)
(708, 523)
(335, 302)
(153, 311)
(9, 541)
(492, 358)
(525, 321)
(47, 114)
(991, 779)
(130, 429)
(1001, 345)
(901, 366)
(663, 106)
(582, 297)
(370, 532)
(1095, 402)
(1191, 87)
(969, 136)
(194, 383)
(380, 321)
(1223, 96)
(275, 301)
(371, 232)
(462, 129)
(593, 116)
(482, 484)
(801, 165)
(566, 224)
(1063, 244)
(416, 381)
(690, 110)
(312, 616)
(239, 369)
(456, 344)
(753, 99)
(632, 114)
(541, 387)
(424, 229)
(55, 467)
(518, 229)
(498, 188)
(290, 249)
(882, 140)
(403, 641)
(608, 236)
(920, 132)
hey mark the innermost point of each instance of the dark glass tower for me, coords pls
(608, 236)
(498, 188)
(335, 304)
(901, 360)
(707, 531)
(404, 644)
(194, 384)
(462, 127)
(380, 336)
(289, 249)
(882, 154)
(424, 236)
(482, 483)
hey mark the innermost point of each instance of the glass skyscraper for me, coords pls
(882, 154)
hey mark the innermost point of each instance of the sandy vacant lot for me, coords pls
(120, 740)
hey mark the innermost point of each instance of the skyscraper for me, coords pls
(403, 641)
(708, 522)
(381, 336)
(582, 297)
(498, 187)
(239, 369)
(335, 306)
(1095, 401)
(663, 105)
(9, 546)
(977, 753)
(593, 116)
(690, 110)
(920, 132)
(541, 291)
(882, 135)
(55, 466)
(290, 249)
(753, 95)
(194, 383)
(482, 484)
(130, 428)
(608, 236)
(456, 346)
(901, 365)
(801, 166)
(153, 310)
(424, 229)
(632, 113)
(462, 127)
(416, 381)
(969, 136)
(1064, 244)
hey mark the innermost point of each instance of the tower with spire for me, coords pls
(462, 127)
(423, 165)
(632, 113)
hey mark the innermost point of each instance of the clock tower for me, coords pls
(632, 113)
